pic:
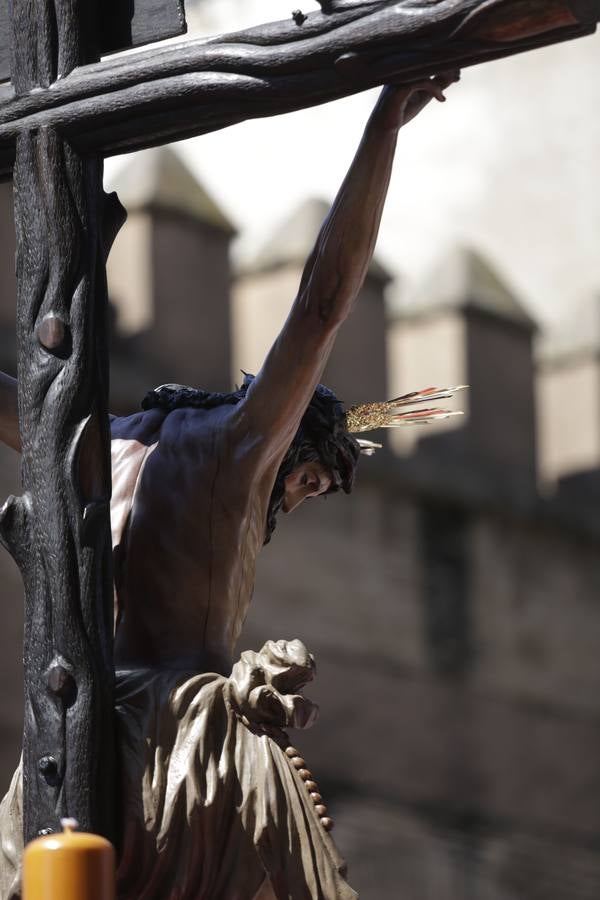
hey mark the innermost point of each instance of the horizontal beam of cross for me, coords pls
(179, 91)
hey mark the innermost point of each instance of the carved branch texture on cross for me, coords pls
(178, 91)
(59, 531)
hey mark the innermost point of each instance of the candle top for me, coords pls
(68, 839)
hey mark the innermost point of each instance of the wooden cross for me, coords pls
(62, 112)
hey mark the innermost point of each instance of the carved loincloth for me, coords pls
(212, 805)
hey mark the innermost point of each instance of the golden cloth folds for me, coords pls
(211, 806)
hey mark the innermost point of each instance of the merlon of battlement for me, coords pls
(462, 279)
(159, 179)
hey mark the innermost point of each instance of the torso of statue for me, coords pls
(191, 487)
(188, 518)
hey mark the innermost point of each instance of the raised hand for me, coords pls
(399, 103)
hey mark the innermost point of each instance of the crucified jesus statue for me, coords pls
(215, 802)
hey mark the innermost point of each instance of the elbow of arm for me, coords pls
(321, 316)
(334, 281)
(327, 302)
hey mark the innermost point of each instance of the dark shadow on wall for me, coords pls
(444, 549)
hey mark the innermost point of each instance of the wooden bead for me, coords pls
(321, 810)
(316, 798)
(298, 762)
(327, 824)
(311, 786)
(305, 774)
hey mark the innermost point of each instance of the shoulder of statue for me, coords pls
(199, 433)
(137, 426)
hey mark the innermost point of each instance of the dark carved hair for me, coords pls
(322, 435)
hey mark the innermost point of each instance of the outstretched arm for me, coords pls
(9, 417)
(332, 277)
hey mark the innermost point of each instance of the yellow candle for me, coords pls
(69, 866)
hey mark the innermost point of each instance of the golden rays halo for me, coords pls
(397, 412)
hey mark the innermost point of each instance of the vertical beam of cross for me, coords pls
(59, 530)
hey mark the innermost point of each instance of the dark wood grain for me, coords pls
(178, 91)
(132, 23)
(59, 530)
(66, 563)
(123, 24)
(5, 41)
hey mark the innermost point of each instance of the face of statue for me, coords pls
(309, 479)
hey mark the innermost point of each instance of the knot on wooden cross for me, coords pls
(351, 65)
(60, 680)
(48, 768)
(54, 335)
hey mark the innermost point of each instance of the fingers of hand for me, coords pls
(445, 79)
(438, 91)
(436, 85)
(449, 76)
(422, 92)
